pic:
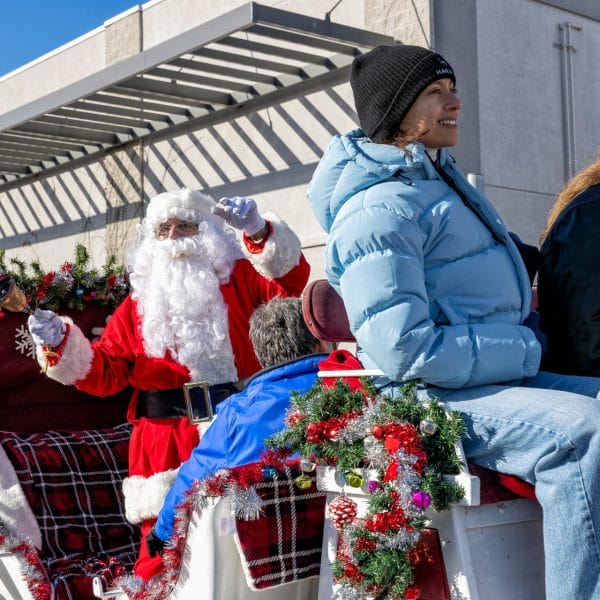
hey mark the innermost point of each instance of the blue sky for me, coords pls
(30, 28)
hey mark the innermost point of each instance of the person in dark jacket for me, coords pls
(569, 277)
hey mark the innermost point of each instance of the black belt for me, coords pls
(197, 401)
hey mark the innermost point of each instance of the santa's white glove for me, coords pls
(46, 328)
(241, 213)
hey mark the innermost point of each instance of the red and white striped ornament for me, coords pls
(342, 511)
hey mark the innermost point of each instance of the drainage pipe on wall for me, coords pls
(565, 45)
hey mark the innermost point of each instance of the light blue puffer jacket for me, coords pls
(435, 290)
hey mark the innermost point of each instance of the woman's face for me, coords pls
(433, 117)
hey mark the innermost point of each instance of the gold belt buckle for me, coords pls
(193, 416)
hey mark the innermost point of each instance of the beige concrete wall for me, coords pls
(521, 106)
(269, 155)
(410, 21)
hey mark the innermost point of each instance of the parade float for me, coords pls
(360, 497)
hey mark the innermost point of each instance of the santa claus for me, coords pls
(186, 320)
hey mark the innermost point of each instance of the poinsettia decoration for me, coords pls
(404, 447)
(72, 286)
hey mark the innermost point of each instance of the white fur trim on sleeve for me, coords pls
(76, 357)
(144, 496)
(281, 252)
(15, 512)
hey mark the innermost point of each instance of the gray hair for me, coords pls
(278, 332)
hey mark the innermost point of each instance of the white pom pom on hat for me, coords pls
(185, 198)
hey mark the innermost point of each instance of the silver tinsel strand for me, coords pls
(401, 540)
(347, 592)
(199, 500)
(245, 504)
(376, 455)
(132, 584)
(407, 481)
(31, 572)
(354, 430)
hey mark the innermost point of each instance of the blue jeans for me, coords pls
(545, 431)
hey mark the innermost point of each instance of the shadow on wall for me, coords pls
(261, 152)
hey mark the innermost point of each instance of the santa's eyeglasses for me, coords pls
(181, 228)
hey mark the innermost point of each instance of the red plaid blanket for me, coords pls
(72, 481)
(284, 544)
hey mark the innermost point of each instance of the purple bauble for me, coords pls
(421, 499)
(373, 486)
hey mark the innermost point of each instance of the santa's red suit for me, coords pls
(159, 446)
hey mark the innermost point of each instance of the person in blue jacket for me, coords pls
(289, 355)
(436, 291)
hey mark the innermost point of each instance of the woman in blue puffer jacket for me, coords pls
(436, 291)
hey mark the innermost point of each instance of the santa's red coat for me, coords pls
(159, 446)
(120, 359)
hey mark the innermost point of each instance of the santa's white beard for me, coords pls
(176, 284)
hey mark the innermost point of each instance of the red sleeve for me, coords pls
(114, 353)
(290, 285)
(254, 247)
(294, 281)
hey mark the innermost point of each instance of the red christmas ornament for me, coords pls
(412, 593)
(378, 522)
(378, 431)
(313, 433)
(353, 573)
(342, 511)
(364, 544)
(332, 433)
(397, 519)
(294, 418)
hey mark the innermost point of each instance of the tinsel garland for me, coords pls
(237, 485)
(409, 445)
(31, 567)
(72, 286)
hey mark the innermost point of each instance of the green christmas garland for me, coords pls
(404, 447)
(72, 286)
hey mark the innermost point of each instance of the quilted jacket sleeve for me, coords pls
(375, 257)
(208, 457)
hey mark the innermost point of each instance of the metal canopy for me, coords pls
(252, 56)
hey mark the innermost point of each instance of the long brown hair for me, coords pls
(587, 177)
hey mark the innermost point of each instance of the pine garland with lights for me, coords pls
(408, 445)
(72, 286)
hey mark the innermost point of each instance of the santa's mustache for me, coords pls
(182, 247)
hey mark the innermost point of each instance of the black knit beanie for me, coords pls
(387, 80)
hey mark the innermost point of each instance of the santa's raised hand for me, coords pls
(240, 212)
